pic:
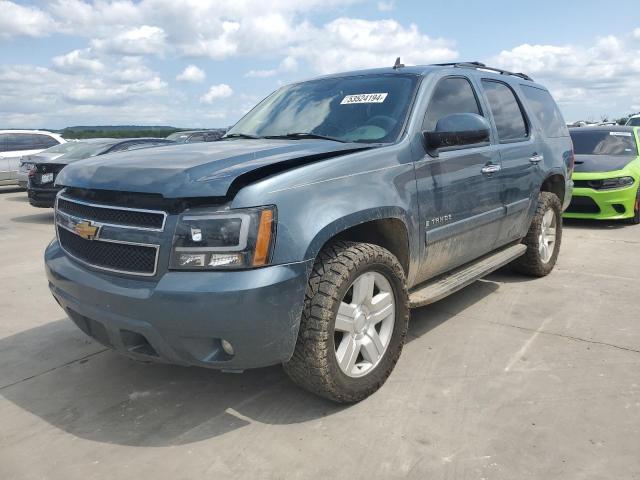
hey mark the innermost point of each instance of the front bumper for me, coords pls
(182, 317)
(42, 197)
(603, 204)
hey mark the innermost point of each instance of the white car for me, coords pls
(634, 121)
(16, 143)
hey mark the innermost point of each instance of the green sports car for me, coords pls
(606, 178)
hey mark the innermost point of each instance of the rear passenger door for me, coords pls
(520, 152)
(460, 206)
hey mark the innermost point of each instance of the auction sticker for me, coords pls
(364, 98)
(620, 134)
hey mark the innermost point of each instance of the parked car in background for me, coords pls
(607, 173)
(14, 144)
(634, 121)
(195, 136)
(42, 175)
(305, 238)
(27, 161)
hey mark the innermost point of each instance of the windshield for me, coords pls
(179, 137)
(85, 150)
(634, 122)
(369, 109)
(602, 142)
(62, 147)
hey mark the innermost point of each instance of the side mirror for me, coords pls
(457, 130)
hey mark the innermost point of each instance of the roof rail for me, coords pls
(482, 66)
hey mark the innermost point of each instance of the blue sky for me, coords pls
(198, 63)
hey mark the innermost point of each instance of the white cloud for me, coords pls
(20, 20)
(586, 80)
(77, 61)
(287, 65)
(144, 40)
(386, 6)
(191, 74)
(348, 43)
(636, 33)
(217, 92)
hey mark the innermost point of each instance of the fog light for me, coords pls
(191, 260)
(218, 260)
(227, 347)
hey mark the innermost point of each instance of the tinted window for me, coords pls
(634, 122)
(3, 142)
(44, 141)
(452, 95)
(363, 108)
(506, 111)
(546, 111)
(602, 142)
(28, 141)
(196, 137)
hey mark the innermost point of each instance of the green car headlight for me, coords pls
(234, 239)
(618, 182)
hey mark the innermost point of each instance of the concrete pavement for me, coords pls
(511, 378)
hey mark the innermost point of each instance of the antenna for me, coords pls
(398, 65)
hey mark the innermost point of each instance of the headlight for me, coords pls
(234, 239)
(611, 183)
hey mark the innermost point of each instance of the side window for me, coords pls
(3, 142)
(19, 141)
(506, 111)
(452, 95)
(546, 111)
(44, 141)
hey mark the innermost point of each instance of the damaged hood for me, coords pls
(196, 169)
(601, 163)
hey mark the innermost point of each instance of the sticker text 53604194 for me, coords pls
(364, 98)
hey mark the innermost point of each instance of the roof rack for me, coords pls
(482, 66)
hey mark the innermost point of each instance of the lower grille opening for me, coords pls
(90, 327)
(137, 343)
(122, 257)
(581, 204)
(619, 208)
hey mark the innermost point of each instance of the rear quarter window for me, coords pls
(545, 111)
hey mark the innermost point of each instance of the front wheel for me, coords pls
(635, 220)
(354, 322)
(543, 239)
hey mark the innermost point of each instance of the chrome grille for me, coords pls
(97, 235)
(112, 215)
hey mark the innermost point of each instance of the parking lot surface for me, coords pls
(510, 378)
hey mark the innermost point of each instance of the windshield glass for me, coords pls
(62, 147)
(634, 122)
(368, 108)
(179, 137)
(85, 150)
(602, 142)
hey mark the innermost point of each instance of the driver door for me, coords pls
(459, 189)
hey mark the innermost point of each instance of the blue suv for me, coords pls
(305, 235)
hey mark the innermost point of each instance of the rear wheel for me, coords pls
(543, 239)
(354, 322)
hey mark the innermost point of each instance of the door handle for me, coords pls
(536, 158)
(489, 169)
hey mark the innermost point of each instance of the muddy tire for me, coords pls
(543, 239)
(354, 322)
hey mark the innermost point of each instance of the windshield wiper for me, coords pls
(240, 135)
(303, 135)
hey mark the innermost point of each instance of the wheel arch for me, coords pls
(385, 227)
(554, 183)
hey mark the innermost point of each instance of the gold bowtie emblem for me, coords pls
(86, 230)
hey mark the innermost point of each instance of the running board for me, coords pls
(444, 285)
